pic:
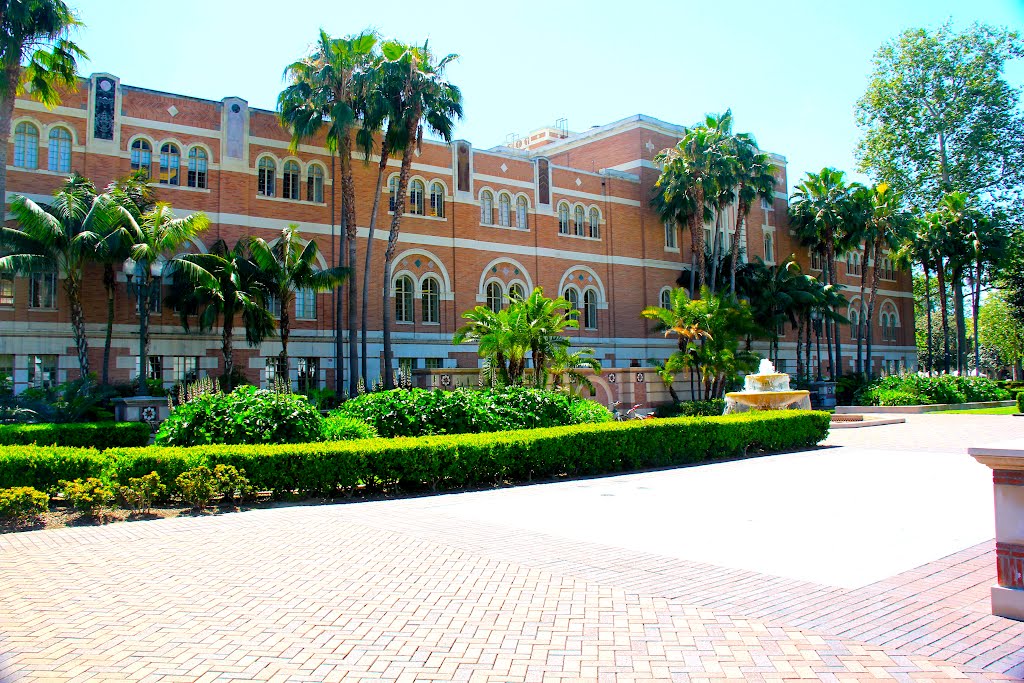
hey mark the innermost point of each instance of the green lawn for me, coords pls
(1008, 410)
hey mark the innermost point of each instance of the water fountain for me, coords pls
(766, 389)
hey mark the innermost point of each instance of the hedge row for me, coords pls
(101, 435)
(436, 461)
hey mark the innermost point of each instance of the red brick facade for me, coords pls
(618, 260)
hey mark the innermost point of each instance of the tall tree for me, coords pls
(1000, 328)
(37, 56)
(428, 98)
(58, 238)
(287, 268)
(322, 94)
(755, 179)
(938, 115)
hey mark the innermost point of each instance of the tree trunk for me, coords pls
(838, 371)
(284, 329)
(961, 322)
(73, 291)
(715, 249)
(872, 296)
(348, 206)
(11, 75)
(339, 343)
(697, 225)
(860, 317)
(807, 346)
(828, 326)
(742, 210)
(365, 314)
(975, 304)
(110, 285)
(389, 253)
(940, 274)
(227, 348)
(799, 341)
(928, 316)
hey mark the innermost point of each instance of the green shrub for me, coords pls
(99, 435)
(245, 416)
(705, 408)
(231, 482)
(141, 492)
(88, 496)
(42, 467)
(197, 486)
(1020, 402)
(914, 389)
(22, 502)
(423, 412)
(585, 411)
(341, 428)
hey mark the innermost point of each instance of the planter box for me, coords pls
(917, 410)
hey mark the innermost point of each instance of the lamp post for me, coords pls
(816, 320)
(144, 289)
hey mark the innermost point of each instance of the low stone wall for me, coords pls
(930, 408)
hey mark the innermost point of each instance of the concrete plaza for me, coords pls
(868, 559)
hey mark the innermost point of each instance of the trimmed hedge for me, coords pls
(1020, 402)
(915, 389)
(101, 435)
(438, 461)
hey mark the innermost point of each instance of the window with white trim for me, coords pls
(275, 369)
(392, 192)
(274, 306)
(666, 299)
(573, 297)
(42, 370)
(403, 299)
(307, 373)
(671, 232)
(305, 304)
(563, 219)
(142, 156)
(6, 289)
(516, 292)
(437, 200)
(198, 168)
(170, 164)
(26, 145)
(290, 180)
(6, 371)
(494, 296)
(816, 260)
(578, 219)
(522, 213)
(315, 183)
(42, 290)
(769, 247)
(595, 223)
(416, 200)
(266, 175)
(590, 309)
(504, 210)
(59, 150)
(430, 302)
(487, 207)
(184, 369)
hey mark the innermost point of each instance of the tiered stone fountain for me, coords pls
(766, 389)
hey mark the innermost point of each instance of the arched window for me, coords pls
(392, 192)
(430, 290)
(60, 150)
(671, 239)
(170, 164)
(290, 180)
(403, 299)
(769, 247)
(142, 156)
(315, 184)
(854, 324)
(516, 292)
(267, 172)
(198, 165)
(495, 297)
(487, 207)
(578, 217)
(437, 200)
(26, 145)
(504, 210)
(590, 309)
(522, 213)
(666, 298)
(416, 197)
(883, 322)
(563, 219)
(595, 223)
(573, 297)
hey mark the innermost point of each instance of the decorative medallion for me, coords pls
(578, 182)
(172, 110)
(640, 378)
(418, 263)
(504, 168)
(611, 379)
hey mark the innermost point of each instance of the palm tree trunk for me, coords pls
(339, 343)
(697, 225)
(807, 346)
(828, 329)
(73, 292)
(872, 296)
(715, 249)
(961, 322)
(741, 217)
(284, 329)
(940, 274)
(860, 317)
(928, 316)
(836, 332)
(348, 206)
(109, 284)
(365, 314)
(227, 348)
(975, 304)
(11, 75)
(799, 341)
(389, 253)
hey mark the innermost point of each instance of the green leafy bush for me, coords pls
(585, 411)
(99, 435)
(88, 496)
(1020, 402)
(422, 412)
(913, 389)
(245, 416)
(42, 467)
(141, 492)
(341, 428)
(22, 502)
(706, 408)
(231, 482)
(200, 484)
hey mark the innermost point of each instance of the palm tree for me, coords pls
(227, 284)
(135, 194)
(323, 92)
(427, 98)
(755, 178)
(288, 267)
(35, 56)
(502, 339)
(155, 237)
(777, 294)
(680, 319)
(667, 370)
(917, 249)
(820, 214)
(546, 320)
(565, 365)
(60, 238)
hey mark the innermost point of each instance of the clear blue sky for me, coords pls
(790, 70)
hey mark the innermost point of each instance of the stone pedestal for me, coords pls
(151, 409)
(1007, 463)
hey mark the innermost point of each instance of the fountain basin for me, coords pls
(742, 401)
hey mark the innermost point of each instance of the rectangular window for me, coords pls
(433, 363)
(156, 367)
(815, 260)
(184, 369)
(42, 370)
(275, 370)
(43, 290)
(405, 366)
(6, 373)
(308, 373)
(670, 235)
(274, 306)
(305, 304)
(6, 289)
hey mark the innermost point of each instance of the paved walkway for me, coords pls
(474, 587)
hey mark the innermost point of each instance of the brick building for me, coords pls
(568, 212)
